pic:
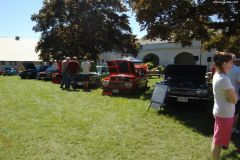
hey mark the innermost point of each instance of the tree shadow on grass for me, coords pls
(193, 116)
(201, 121)
(232, 155)
(147, 95)
(137, 95)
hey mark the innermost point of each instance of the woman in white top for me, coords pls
(225, 99)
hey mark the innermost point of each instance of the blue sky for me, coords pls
(15, 19)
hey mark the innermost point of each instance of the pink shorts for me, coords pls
(222, 131)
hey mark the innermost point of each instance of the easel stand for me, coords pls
(158, 96)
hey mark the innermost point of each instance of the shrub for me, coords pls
(150, 65)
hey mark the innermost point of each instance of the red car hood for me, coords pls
(121, 67)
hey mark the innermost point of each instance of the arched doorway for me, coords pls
(184, 58)
(151, 58)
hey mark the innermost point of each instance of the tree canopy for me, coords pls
(215, 23)
(83, 27)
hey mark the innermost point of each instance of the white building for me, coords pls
(164, 53)
(13, 52)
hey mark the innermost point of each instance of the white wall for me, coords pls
(165, 51)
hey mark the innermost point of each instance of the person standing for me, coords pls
(54, 66)
(64, 72)
(86, 65)
(234, 75)
(73, 68)
(225, 99)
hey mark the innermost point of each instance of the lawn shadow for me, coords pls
(236, 142)
(233, 155)
(147, 95)
(192, 116)
(137, 95)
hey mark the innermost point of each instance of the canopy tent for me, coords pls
(18, 50)
(132, 59)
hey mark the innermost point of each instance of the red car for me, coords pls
(124, 77)
(57, 76)
(1, 72)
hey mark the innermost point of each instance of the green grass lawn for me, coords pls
(38, 120)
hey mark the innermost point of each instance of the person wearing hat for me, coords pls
(86, 65)
(73, 68)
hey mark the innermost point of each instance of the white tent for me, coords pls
(18, 50)
(132, 59)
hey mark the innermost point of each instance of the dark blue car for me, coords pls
(32, 70)
(9, 71)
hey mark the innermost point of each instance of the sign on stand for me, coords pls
(158, 96)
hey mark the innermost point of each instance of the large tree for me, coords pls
(182, 21)
(83, 27)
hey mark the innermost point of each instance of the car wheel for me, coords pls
(145, 87)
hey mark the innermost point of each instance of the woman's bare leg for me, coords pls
(216, 152)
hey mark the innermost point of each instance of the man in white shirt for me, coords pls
(86, 65)
(234, 75)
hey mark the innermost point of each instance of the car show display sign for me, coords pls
(158, 96)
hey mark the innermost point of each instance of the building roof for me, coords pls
(145, 41)
(18, 50)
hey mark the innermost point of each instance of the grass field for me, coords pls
(40, 121)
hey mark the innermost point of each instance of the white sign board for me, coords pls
(158, 95)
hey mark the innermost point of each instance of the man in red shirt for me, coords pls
(73, 68)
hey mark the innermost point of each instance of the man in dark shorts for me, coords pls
(86, 65)
(73, 68)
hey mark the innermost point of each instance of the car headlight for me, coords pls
(201, 91)
(169, 89)
(128, 84)
(105, 83)
(204, 91)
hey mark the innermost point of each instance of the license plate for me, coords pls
(115, 91)
(80, 83)
(182, 99)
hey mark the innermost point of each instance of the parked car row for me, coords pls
(32, 70)
(8, 71)
(48, 72)
(186, 83)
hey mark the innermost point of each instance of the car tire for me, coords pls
(145, 87)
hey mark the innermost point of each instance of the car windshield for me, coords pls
(41, 68)
(37, 67)
(123, 67)
(140, 71)
(49, 69)
(102, 69)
